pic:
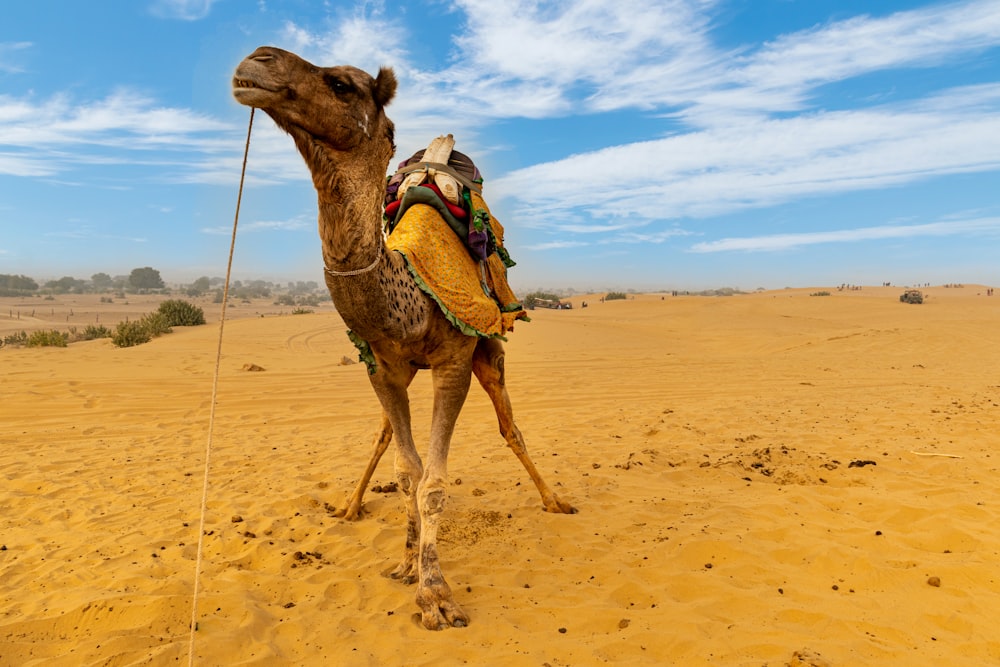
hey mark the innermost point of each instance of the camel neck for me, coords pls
(350, 196)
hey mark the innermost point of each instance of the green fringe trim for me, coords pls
(466, 329)
(365, 353)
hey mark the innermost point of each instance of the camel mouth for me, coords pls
(251, 93)
(248, 84)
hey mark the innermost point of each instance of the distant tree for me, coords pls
(198, 287)
(145, 278)
(66, 284)
(11, 285)
(101, 281)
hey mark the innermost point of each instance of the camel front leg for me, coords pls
(434, 597)
(488, 365)
(390, 386)
(353, 510)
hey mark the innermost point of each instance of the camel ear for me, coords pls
(385, 86)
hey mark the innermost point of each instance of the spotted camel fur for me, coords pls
(336, 117)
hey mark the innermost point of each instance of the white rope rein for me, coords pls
(211, 415)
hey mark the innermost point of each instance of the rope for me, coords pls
(358, 272)
(211, 415)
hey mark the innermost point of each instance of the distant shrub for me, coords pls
(615, 296)
(309, 300)
(131, 333)
(50, 338)
(16, 339)
(301, 311)
(94, 331)
(824, 293)
(157, 323)
(285, 300)
(181, 313)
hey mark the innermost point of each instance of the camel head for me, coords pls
(340, 108)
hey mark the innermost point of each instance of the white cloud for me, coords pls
(7, 60)
(367, 37)
(765, 162)
(185, 10)
(293, 224)
(775, 242)
(123, 119)
(556, 245)
(53, 136)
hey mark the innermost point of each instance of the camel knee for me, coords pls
(405, 482)
(432, 502)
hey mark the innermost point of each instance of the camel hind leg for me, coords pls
(488, 367)
(353, 510)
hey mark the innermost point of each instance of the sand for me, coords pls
(764, 479)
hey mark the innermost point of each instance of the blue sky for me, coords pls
(655, 144)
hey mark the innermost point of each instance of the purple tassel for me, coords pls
(479, 243)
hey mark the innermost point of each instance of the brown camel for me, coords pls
(336, 117)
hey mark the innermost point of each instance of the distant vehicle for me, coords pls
(911, 296)
(552, 303)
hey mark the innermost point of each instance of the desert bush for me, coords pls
(16, 339)
(615, 296)
(285, 300)
(51, 338)
(157, 323)
(301, 311)
(94, 331)
(181, 313)
(824, 293)
(129, 333)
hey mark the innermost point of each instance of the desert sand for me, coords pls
(764, 479)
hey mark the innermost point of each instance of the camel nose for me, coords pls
(265, 54)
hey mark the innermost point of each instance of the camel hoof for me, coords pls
(558, 506)
(438, 609)
(402, 573)
(350, 513)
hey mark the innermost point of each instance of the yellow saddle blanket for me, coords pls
(474, 296)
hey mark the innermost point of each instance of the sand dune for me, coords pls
(762, 479)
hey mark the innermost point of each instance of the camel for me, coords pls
(336, 117)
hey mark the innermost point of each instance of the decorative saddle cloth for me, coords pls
(472, 293)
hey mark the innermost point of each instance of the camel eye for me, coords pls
(338, 86)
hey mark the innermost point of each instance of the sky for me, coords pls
(628, 144)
